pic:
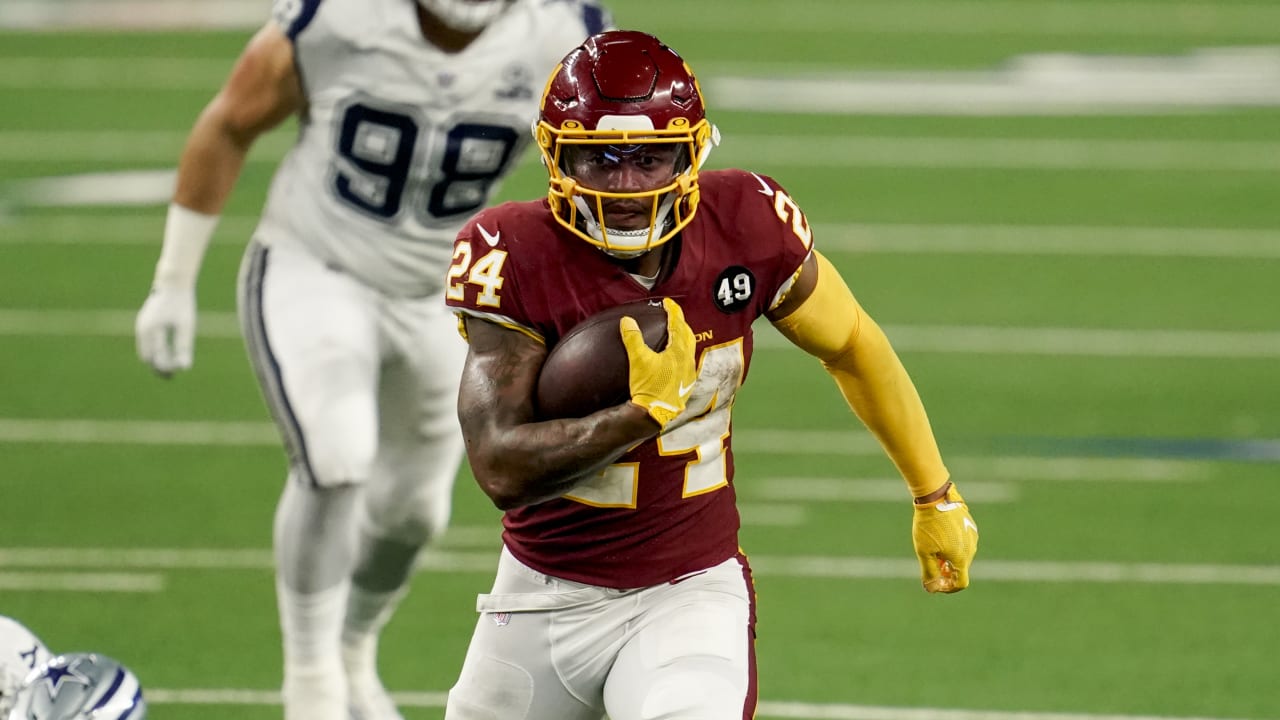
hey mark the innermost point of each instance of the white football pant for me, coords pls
(362, 386)
(551, 649)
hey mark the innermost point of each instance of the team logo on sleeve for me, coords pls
(733, 289)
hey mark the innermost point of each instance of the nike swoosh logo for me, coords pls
(767, 191)
(971, 524)
(683, 390)
(490, 238)
(948, 506)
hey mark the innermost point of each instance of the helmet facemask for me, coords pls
(467, 16)
(582, 198)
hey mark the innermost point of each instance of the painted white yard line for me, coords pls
(121, 188)
(832, 151)
(144, 228)
(1134, 343)
(838, 567)
(102, 323)
(1049, 240)
(139, 432)
(747, 441)
(944, 339)
(139, 227)
(834, 443)
(979, 17)
(1030, 571)
(81, 582)
(772, 514)
(114, 73)
(767, 708)
(840, 151)
(120, 146)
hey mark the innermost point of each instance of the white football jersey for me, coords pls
(401, 142)
(20, 652)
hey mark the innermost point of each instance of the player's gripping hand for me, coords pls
(946, 538)
(165, 329)
(661, 381)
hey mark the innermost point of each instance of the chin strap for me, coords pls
(593, 228)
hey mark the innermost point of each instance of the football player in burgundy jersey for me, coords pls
(621, 589)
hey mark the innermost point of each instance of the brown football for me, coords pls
(588, 370)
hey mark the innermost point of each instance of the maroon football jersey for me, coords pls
(666, 508)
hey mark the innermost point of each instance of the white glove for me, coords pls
(165, 330)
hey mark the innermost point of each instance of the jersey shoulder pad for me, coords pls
(293, 16)
(506, 226)
(755, 201)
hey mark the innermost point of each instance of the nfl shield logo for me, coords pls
(501, 618)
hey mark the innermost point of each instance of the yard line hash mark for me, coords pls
(94, 582)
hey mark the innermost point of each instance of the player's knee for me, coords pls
(412, 520)
(341, 455)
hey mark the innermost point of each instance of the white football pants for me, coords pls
(551, 649)
(363, 387)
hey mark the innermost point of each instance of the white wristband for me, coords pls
(186, 236)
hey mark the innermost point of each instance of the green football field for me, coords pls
(1066, 214)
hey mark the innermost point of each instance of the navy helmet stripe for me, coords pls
(116, 682)
(137, 701)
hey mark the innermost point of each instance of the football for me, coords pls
(588, 369)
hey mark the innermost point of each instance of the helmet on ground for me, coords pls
(80, 686)
(465, 15)
(20, 653)
(619, 94)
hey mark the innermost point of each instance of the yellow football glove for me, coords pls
(946, 538)
(661, 381)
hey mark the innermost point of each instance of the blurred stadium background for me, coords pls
(1065, 212)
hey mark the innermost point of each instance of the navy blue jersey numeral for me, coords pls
(378, 149)
(475, 156)
(380, 145)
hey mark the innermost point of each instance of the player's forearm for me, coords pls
(830, 325)
(516, 459)
(211, 162)
(876, 385)
(534, 462)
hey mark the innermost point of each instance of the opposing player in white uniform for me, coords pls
(410, 111)
(20, 653)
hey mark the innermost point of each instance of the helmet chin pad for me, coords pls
(465, 16)
(626, 244)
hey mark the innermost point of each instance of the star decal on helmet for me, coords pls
(57, 673)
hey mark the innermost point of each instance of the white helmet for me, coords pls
(80, 686)
(20, 653)
(466, 15)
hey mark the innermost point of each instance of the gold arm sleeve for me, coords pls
(831, 326)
